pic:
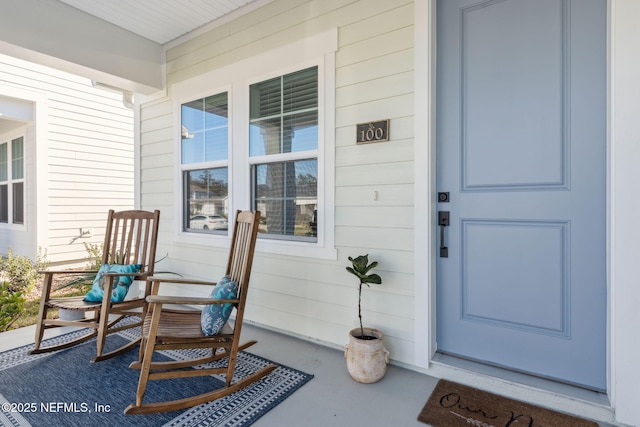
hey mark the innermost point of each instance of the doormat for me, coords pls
(456, 405)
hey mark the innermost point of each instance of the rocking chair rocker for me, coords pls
(166, 328)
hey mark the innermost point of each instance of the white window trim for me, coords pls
(7, 139)
(318, 50)
(186, 236)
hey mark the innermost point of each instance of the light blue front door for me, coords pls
(521, 149)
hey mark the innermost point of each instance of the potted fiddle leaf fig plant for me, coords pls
(365, 353)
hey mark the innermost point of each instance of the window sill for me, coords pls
(13, 227)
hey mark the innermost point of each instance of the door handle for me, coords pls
(443, 221)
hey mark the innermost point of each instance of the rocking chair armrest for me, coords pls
(164, 299)
(180, 281)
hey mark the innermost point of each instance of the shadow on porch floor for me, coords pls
(332, 398)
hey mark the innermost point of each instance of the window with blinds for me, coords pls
(204, 162)
(283, 150)
(12, 181)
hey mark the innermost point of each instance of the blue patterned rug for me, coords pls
(64, 389)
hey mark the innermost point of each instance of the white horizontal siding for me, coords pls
(382, 173)
(351, 154)
(90, 146)
(376, 47)
(157, 164)
(374, 80)
(368, 216)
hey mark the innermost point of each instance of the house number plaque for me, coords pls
(372, 132)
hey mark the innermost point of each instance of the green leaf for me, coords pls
(373, 278)
(360, 267)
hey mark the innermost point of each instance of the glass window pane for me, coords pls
(300, 90)
(215, 145)
(207, 200)
(192, 116)
(284, 114)
(4, 166)
(300, 132)
(18, 203)
(193, 148)
(216, 111)
(265, 137)
(205, 131)
(4, 203)
(306, 182)
(266, 98)
(286, 193)
(17, 158)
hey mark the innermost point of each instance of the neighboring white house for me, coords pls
(66, 158)
(262, 110)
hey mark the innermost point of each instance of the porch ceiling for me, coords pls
(117, 42)
(160, 21)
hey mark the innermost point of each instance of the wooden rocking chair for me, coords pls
(130, 238)
(181, 329)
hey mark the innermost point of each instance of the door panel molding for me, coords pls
(529, 146)
(497, 299)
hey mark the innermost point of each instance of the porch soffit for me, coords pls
(160, 21)
(120, 43)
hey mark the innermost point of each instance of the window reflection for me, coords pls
(207, 200)
(286, 194)
(205, 129)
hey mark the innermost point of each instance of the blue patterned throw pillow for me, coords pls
(120, 284)
(214, 316)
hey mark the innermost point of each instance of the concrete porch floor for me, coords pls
(332, 398)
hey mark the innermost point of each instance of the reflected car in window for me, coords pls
(209, 222)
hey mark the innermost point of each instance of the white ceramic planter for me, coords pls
(366, 359)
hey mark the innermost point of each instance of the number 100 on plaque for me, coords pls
(372, 132)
